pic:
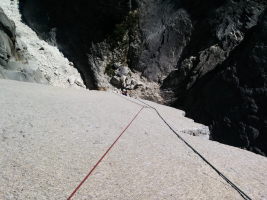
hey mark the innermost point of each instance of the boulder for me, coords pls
(116, 81)
(122, 71)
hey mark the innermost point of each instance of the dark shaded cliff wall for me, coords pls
(221, 79)
(232, 98)
(210, 55)
(74, 25)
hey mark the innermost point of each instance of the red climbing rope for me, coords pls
(103, 156)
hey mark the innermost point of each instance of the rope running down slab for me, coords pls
(103, 156)
(242, 193)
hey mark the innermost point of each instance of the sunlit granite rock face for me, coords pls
(11, 65)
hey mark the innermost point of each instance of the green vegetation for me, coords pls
(123, 28)
(110, 70)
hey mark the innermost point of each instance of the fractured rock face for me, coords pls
(10, 67)
(166, 31)
(200, 55)
(25, 57)
(7, 38)
(224, 85)
(81, 23)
